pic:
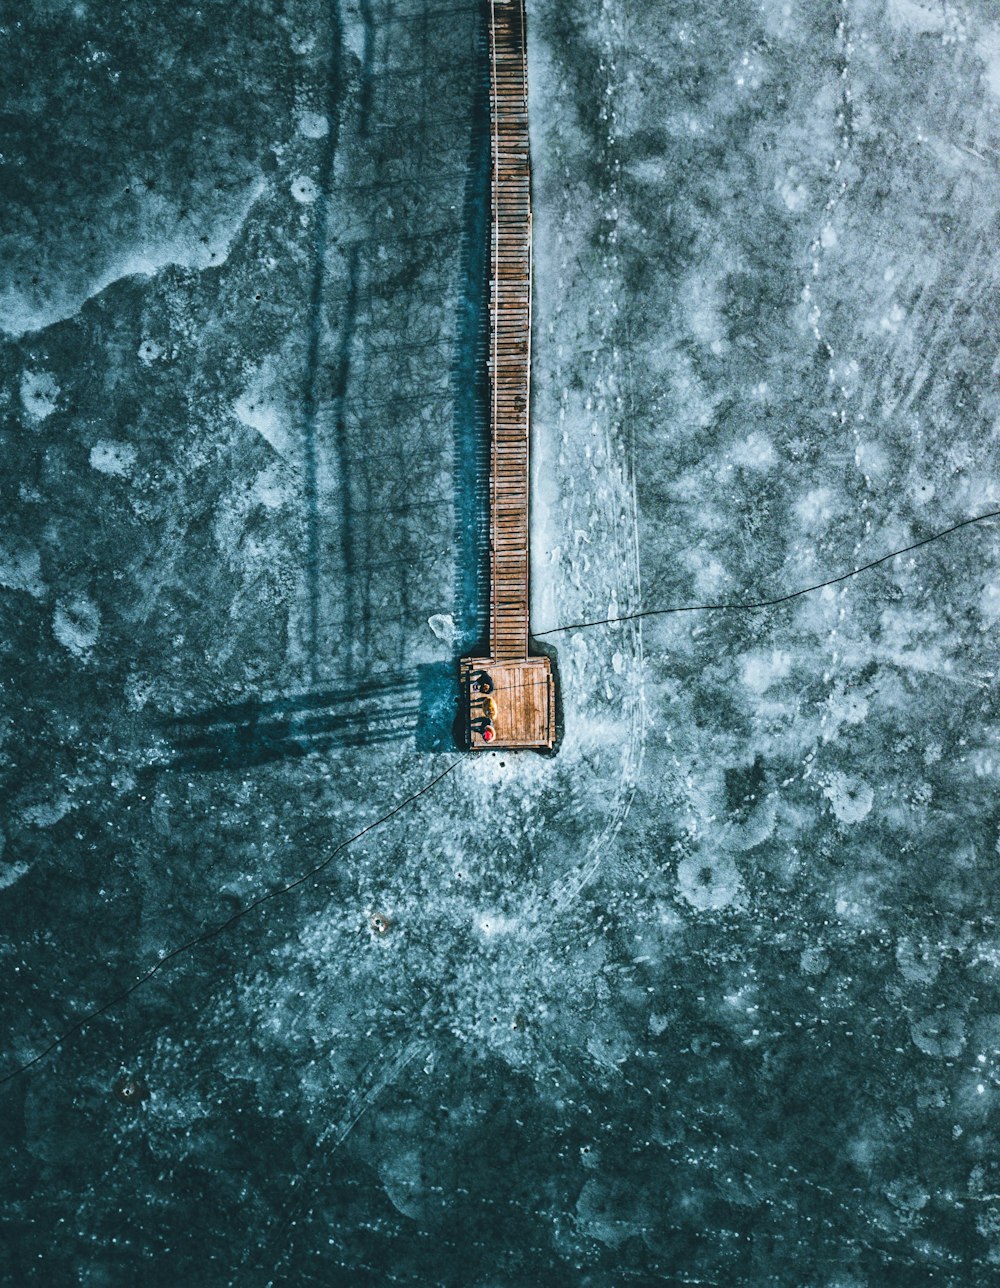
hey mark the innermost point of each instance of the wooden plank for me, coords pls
(524, 690)
(522, 701)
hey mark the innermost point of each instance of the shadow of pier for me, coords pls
(416, 707)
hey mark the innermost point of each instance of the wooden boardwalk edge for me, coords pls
(518, 708)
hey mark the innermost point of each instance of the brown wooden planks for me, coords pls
(521, 705)
(510, 331)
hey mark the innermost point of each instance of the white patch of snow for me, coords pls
(761, 670)
(304, 189)
(161, 247)
(21, 569)
(709, 883)
(76, 624)
(253, 410)
(39, 394)
(817, 507)
(443, 626)
(47, 813)
(922, 17)
(871, 459)
(919, 963)
(851, 799)
(989, 50)
(109, 457)
(813, 960)
(269, 490)
(942, 1033)
(11, 872)
(989, 603)
(756, 452)
(794, 195)
(313, 125)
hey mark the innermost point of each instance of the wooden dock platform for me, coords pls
(514, 705)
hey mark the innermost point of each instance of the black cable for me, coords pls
(206, 935)
(780, 599)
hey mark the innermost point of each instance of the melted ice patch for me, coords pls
(607, 1210)
(813, 960)
(907, 1194)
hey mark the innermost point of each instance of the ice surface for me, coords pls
(710, 996)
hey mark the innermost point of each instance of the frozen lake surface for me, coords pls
(710, 995)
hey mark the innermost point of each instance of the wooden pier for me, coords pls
(509, 697)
